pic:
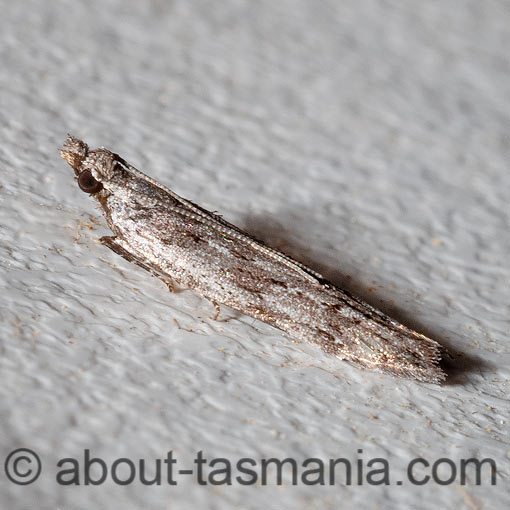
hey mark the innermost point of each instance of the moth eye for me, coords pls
(88, 183)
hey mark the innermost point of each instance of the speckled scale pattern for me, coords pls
(367, 139)
(185, 244)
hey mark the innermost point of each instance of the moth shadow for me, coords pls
(457, 365)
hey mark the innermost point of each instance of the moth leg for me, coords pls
(113, 243)
(218, 310)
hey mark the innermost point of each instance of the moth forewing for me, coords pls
(181, 242)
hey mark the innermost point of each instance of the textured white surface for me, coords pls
(367, 138)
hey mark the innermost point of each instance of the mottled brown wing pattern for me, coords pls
(181, 242)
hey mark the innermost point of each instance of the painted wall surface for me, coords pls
(369, 139)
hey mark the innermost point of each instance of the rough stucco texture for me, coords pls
(369, 139)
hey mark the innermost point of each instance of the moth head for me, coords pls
(74, 151)
(94, 169)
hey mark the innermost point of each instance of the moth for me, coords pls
(184, 244)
